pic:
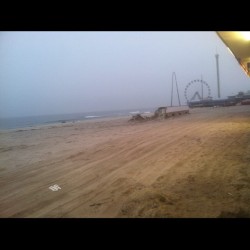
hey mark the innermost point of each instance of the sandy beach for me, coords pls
(196, 165)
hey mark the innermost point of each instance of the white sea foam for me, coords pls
(134, 112)
(91, 116)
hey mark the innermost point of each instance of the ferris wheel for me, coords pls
(197, 89)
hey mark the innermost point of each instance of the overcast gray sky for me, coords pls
(70, 72)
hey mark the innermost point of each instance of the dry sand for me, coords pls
(194, 165)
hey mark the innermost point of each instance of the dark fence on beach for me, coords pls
(212, 103)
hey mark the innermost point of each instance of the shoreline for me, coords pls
(87, 118)
(62, 124)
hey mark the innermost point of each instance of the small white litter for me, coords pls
(54, 187)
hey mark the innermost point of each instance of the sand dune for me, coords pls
(194, 165)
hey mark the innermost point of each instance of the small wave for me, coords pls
(134, 112)
(63, 121)
(58, 121)
(91, 116)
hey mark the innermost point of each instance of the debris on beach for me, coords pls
(137, 117)
(161, 113)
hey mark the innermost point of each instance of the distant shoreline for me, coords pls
(63, 124)
(30, 122)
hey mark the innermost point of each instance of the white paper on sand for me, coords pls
(54, 187)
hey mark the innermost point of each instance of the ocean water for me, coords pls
(31, 121)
